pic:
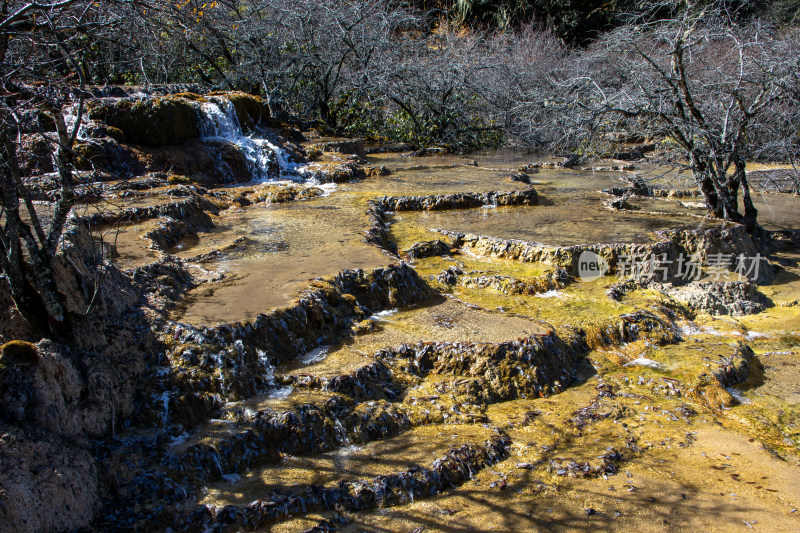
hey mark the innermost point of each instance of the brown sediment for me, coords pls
(234, 355)
(314, 405)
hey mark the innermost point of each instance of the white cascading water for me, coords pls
(71, 117)
(218, 121)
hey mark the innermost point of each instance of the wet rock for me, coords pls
(738, 367)
(211, 161)
(278, 194)
(571, 162)
(143, 183)
(710, 388)
(430, 150)
(618, 203)
(610, 168)
(729, 244)
(390, 147)
(170, 231)
(720, 297)
(164, 282)
(726, 244)
(238, 353)
(365, 326)
(785, 239)
(250, 109)
(710, 394)
(335, 173)
(373, 172)
(457, 201)
(636, 153)
(373, 381)
(98, 131)
(324, 526)
(618, 290)
(449, 276)
(378, 232)
(656, 324)
(526, 368)
(193, 207)
(188, 408)
(675, 193)
(428, 249)
(349, 146)
(556, 279)
(260, 437)
(638, 187)
(521, 177)
(90, 154)
(370, 382)
(35, 155)
(608, 465)
(456, 467)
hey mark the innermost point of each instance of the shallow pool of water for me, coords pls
(270, 252)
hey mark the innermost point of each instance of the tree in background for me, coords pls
(701, 84)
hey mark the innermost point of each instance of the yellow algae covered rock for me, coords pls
(16, 352)
(709, 393)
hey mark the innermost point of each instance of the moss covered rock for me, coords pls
(89, 155)
(152, 122)
(18, 352)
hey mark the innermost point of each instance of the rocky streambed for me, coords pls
(305, 334)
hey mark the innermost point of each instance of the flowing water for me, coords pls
(682, 462)
(264, 158)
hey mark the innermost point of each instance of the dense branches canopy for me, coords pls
(701, 82)
(48, 51)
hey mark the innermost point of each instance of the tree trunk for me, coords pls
(750, 211)
(709, 192)
(26, 299)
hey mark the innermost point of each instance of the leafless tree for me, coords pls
(523, 91)
(312, 54)
(700, 83)
(433, 83)
(43, 47)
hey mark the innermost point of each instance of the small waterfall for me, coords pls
(265, 160)
(71, 117)
(163, 399)
(218, 119)
(341, 433)
(266, 364)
